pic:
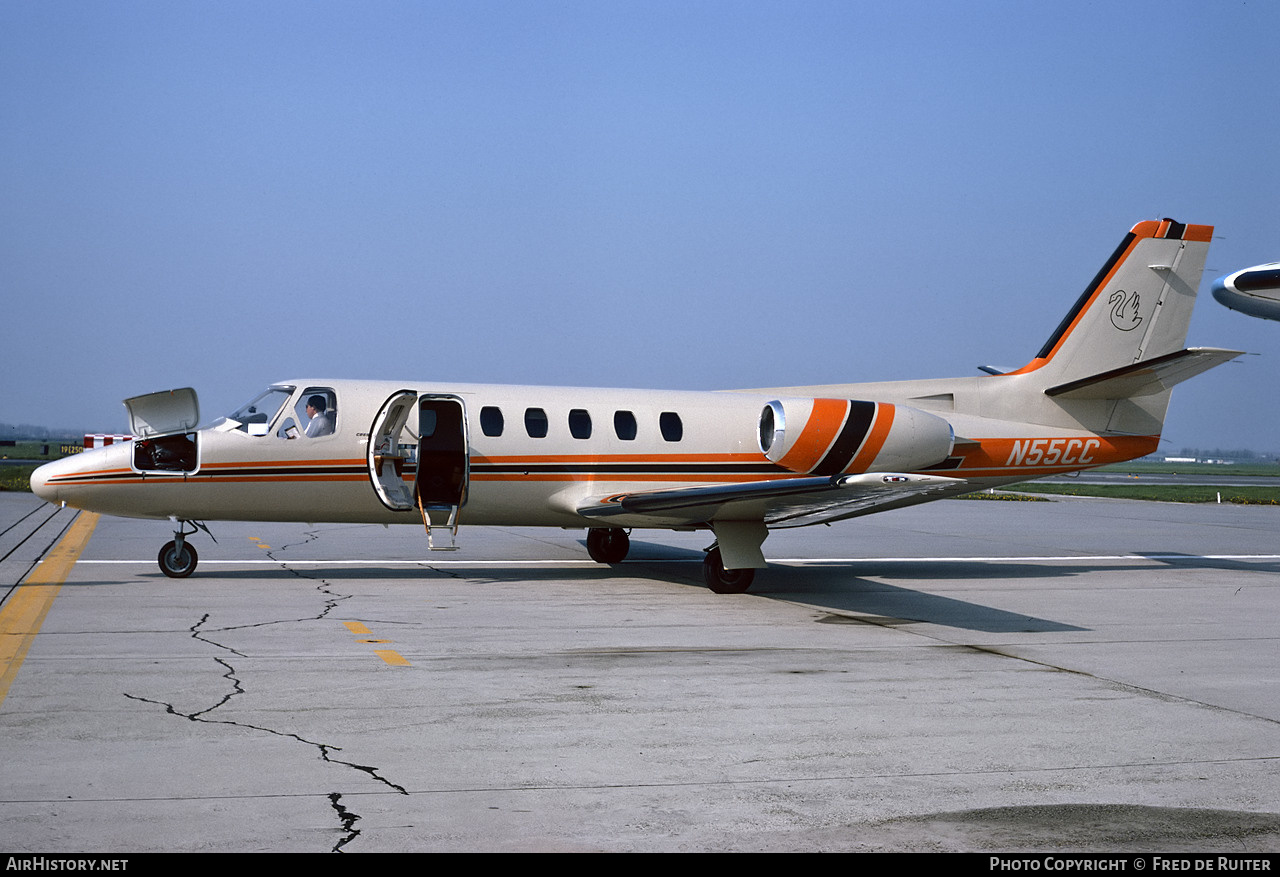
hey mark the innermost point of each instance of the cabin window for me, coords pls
(672, 428)
(491, 421)
(580, 423)
(624, 425)
(535, 422)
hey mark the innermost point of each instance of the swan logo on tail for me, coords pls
(1124, 310)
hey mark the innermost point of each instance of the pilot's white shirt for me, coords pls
(321, 424)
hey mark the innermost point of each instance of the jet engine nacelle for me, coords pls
(845, 436)
(1254, 291)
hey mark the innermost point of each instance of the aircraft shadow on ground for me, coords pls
(831, 588)
(834, 586)
(874, 602)
(846, 587)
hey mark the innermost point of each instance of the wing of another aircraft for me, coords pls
(793, 502)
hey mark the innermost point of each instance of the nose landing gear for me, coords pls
(177, 558)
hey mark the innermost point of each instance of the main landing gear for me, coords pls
(608, 544)
(177, 558)
(611, 544)
(721, 580)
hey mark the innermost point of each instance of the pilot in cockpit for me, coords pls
(321, 420)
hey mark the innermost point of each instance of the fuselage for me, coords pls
(534, 454)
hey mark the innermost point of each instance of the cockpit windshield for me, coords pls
(255, 417)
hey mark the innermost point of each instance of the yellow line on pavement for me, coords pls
(393, 658)
(25, 611)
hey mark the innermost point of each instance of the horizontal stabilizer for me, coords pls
(792, 502)
(1144, 378)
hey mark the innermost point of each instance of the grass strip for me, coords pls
(1161, 492)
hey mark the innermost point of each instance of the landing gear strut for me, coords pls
(725, 581)
(608, 544)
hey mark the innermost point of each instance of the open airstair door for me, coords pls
(387, 456)
(444, 467)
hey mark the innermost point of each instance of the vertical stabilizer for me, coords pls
(1137, 308)
(1112, 360)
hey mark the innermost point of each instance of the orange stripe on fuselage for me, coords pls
(280, 464)
(265, 479)
(821, 429)
(992, 457)
(94, 473)
(537, 459)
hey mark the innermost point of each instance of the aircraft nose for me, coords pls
(40, 482)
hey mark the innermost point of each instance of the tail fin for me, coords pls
(1137, 308)
(1111, 362)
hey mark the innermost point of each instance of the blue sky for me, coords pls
(688, 195)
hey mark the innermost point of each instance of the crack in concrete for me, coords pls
(322, 585)
(236, 688)
(198, 631)
(325, 749)
(311, 536)
(448, 573)
(348, 821)
(197, 634)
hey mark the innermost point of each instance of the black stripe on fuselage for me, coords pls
(637, 468)
(96, 479)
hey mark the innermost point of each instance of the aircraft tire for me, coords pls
(608, 544)
(725, 581)
(178, 564)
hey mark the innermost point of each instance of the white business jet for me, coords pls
(738, 463)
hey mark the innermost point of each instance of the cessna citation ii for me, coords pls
(738, 463)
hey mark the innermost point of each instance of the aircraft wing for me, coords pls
(794, 502)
